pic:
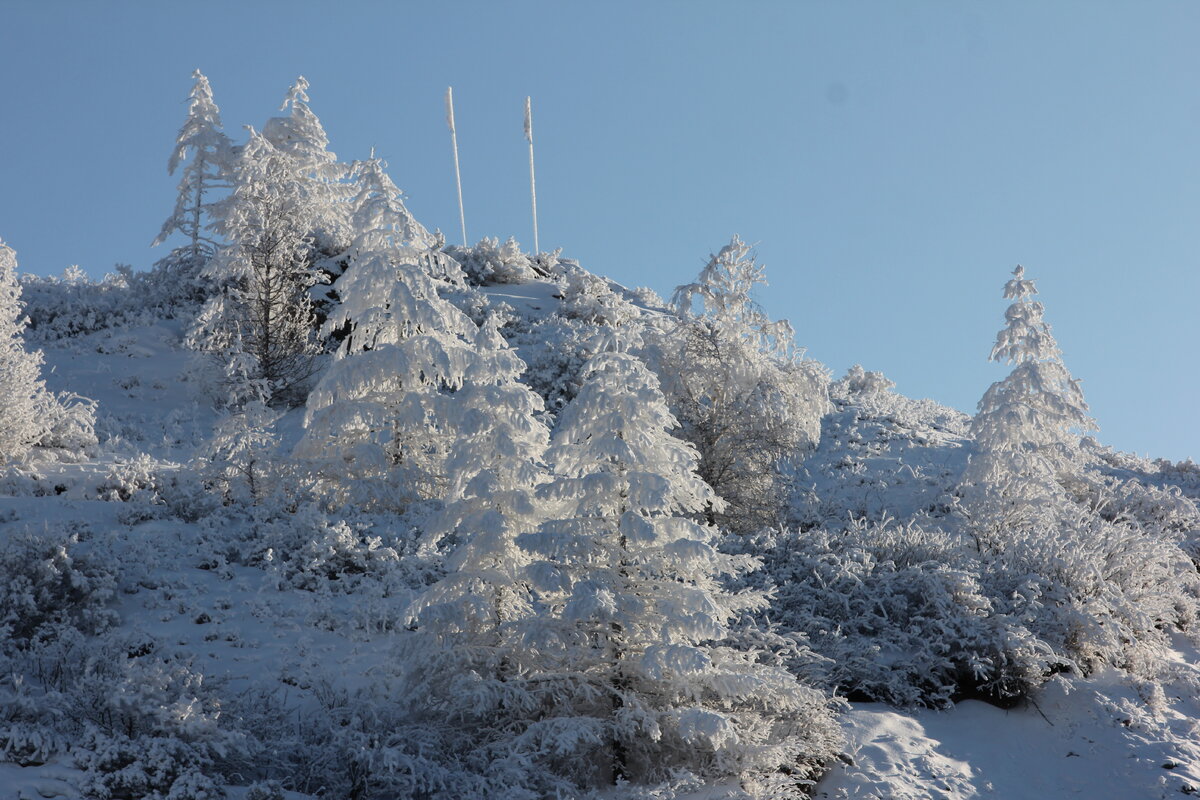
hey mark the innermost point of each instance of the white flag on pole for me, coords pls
(528, 121)
(450, 107)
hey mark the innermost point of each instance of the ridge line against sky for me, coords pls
(893, 161)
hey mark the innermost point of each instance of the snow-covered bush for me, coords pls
(70, 427)
(881, 455)
(860, 386)
(903, 614)
(74, 305)
(489, 261)
(144, 768)
(591, 299)
(916, 615)
(310, 550)
(139, 723)
(47, 580)
(1098, 591)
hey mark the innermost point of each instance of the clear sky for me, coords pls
(893, 160)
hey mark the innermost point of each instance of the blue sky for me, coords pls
(893, 161)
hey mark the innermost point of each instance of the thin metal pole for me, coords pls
(532, 179)
(462, 218)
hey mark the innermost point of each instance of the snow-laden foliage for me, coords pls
(590, 299)
(378, 205)
(241, 461)
(902, 613)
(257, 329)
(1028, 424)
(746, 397)
(880, 454)
(140, 724)
(318, 175)
(24, 400)
(495, 464)
(49, 581)
(612, 662)
(911, 614)
(489, 261)
(70, 306)
(209, 156)
(30, 415)
(380, 421)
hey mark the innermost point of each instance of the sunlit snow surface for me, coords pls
(1100, 740)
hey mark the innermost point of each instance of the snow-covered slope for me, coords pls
(266, 645)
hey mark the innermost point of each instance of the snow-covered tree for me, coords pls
(209, 155)
(381, 420)
(378, 208)
(24, 401)
(378, 205)
(318, 174)
(240, 460)
(1029, 423)
(468, 621)
(744, 394)
(496, 462)
(596, 649)
(627, 660)
(259, 327)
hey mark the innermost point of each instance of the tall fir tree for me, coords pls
(202, 143)
(1028, 424)
(379, 424)
(209, 157)
(468, 623)
(629, 652)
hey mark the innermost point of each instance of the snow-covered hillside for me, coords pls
(200, 613)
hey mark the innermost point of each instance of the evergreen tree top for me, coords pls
(1026, 335)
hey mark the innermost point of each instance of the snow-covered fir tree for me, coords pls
(1028, 424)
(461, 666)
(240, 461)
(24, 401)
(626, 659)
(258, 328)
(744, 394)
(209, 156)
(378, 205)
(381, 421)
(496, 461)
